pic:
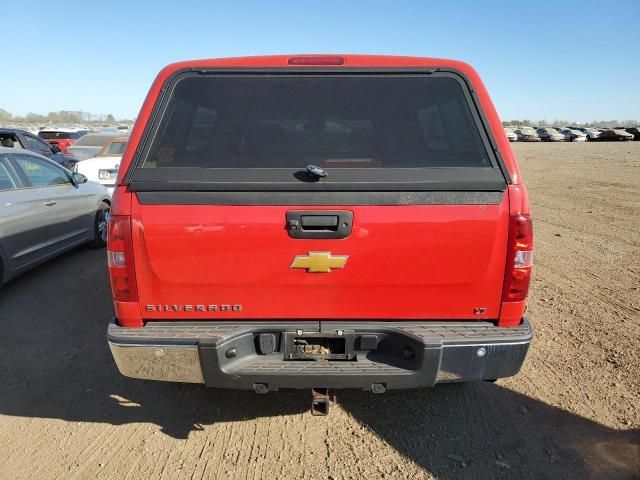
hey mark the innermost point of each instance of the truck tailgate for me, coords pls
(404, 262)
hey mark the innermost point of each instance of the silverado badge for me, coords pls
(319, 262)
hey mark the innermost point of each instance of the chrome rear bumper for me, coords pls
(392, 354)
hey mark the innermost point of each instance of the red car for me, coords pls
(319, 221)
(62, 138)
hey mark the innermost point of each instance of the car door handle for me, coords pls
(49, 204)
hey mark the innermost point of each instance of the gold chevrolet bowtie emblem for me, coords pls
(319, 262)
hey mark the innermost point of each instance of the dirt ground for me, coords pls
(572, 412)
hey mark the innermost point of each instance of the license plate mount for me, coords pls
(318, 346)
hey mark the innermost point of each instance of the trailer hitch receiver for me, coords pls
(320, 400)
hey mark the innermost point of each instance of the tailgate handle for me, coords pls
(319, 224)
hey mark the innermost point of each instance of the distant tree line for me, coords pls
(65, 116)
(565, 123)
(61, 117)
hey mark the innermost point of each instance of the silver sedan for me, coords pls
(45, 210)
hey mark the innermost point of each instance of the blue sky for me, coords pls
(574, 60)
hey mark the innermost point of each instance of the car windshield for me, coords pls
(527, 130)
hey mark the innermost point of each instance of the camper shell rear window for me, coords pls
(385, 131)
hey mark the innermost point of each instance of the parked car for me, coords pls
(591, 133)
(635, 131)
(115, 147)
(89, 145)
(571, 135)
(46, 210)
(62, 137)
(227, 267)
(527, 134)
(23, 140)
(511, 135)
(615, 134)
(103, 168)
(548, 134)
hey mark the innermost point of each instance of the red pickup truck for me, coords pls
(341, 221)
(62, 138)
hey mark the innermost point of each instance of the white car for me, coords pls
(591, 133)
(571, 135)
(511, 135)
(103, 170)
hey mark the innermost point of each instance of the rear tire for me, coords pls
(100, 226)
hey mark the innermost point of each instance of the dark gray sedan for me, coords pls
(22, 140)
(548, 134)
(527, 134)
(45, 210)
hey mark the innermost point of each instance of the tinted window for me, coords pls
(39, 172)
(36, 144)
(332, 121)
(58, 135)
(7, 181)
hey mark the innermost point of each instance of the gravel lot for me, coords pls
(573, 411)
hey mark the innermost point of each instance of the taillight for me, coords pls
(519, 259)
(120, 259)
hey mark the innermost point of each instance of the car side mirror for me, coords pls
(55, 148)
(78, 178)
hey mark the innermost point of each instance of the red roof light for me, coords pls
(316, 61)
